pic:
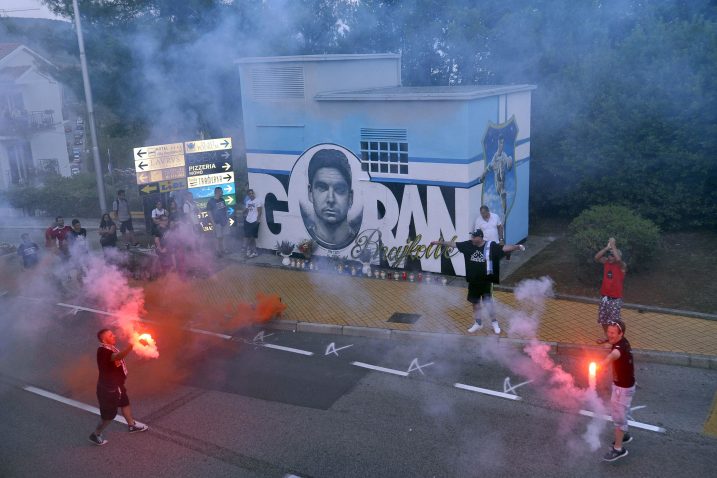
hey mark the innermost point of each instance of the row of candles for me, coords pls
(373, 272)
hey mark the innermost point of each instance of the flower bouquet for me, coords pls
(284, 249)
(306, 247)
(365, 257)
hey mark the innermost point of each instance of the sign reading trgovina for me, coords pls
(198, 166)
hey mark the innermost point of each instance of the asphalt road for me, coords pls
(242, 408)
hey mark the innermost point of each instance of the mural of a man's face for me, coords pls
(501, 144)
(331, 195)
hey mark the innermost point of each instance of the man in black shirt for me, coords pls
(482, 271)
(623, 386)
(77, 238)
(111, 392)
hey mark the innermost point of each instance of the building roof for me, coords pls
(7, 48)
(308, 58)
(423, 93)
(12, 73)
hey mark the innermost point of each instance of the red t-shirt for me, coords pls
(612, 279)
(58, 234)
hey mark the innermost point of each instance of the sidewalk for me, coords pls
(325, 301)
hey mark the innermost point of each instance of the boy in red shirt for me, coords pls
(613, 277)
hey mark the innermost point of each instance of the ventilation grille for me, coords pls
(384, 134)
(275, 83)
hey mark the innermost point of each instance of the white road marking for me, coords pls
(73, 403)
(507, 387)
(261, 336)
(77, 308)
(632, 423)
(380, 369)
(331, 349)
(213, 334)
(286, 349)
(486, 391)
(415, 366)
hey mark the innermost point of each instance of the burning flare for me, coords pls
(592, 369)
(144, 345)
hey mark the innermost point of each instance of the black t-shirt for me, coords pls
(623, 369)
(111, 372)
(217, 209)
(74, 235)
(476, 267)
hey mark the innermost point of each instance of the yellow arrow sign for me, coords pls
(176, 185)
(208, 145)
(150, 152)
(149, 189)
(228, 200)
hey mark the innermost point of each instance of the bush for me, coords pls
(74, 196)
(636, 237)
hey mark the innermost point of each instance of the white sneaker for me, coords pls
(496, 327)
(475, 327)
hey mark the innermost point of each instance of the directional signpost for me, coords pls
(197, 166)
(210, 180)
(209, 165)
(161, 175)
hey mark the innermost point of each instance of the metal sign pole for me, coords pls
(90, 111)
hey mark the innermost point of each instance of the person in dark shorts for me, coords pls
(252, 215)
(111, 392)
(623, 387)
(613, 277)
(482, 271)
(217, 209)
(120, 209)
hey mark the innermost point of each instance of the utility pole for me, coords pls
(90, 110)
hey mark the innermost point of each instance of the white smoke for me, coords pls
(549, 379)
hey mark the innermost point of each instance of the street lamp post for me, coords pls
(90, 110)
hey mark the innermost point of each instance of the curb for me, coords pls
(556, 348)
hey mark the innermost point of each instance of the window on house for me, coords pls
(384, 151)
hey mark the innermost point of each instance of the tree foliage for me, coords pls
(636, 237)
(74, 196)
(625, 111)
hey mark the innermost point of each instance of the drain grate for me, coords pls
(402, 318)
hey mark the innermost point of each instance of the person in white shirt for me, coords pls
(158, 211)
(491, 225)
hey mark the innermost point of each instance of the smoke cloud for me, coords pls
(550, 380)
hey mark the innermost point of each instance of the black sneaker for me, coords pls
(138, 427)
(97, 439)
(613, 454)
(626, 438)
